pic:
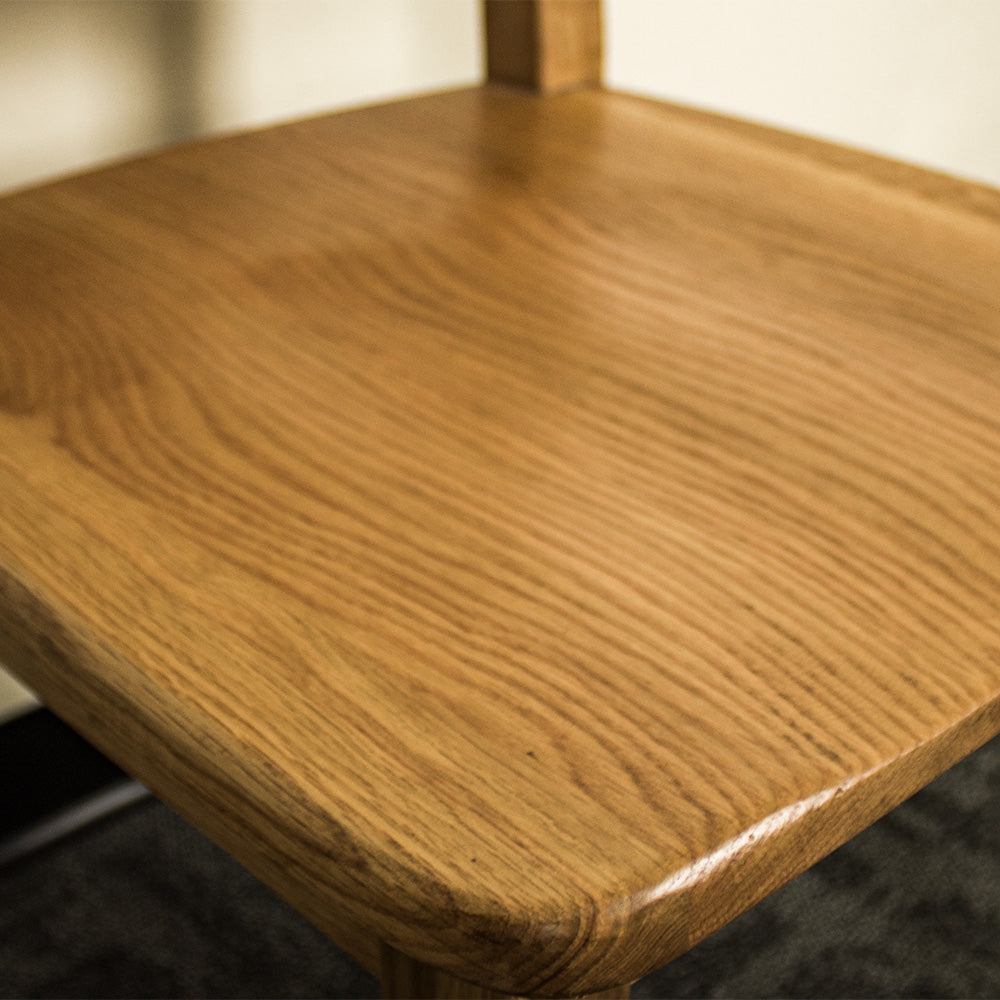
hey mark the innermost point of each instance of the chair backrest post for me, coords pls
(544, 45)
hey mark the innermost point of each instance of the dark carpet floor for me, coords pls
(141, 905)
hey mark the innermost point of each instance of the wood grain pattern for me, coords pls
(546, 45)
(404, 977)
(525, 532)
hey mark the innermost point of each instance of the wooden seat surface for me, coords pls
(524, 532)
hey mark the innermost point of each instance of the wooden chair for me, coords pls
(523, 530)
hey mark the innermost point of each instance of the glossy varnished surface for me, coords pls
(525, 531)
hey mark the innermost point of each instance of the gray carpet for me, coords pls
(143, 906)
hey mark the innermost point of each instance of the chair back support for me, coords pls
(545, 45)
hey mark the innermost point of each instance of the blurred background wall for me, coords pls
(85, 83)
(82, 83)
(913, 79)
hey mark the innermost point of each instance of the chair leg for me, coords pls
(405, 977)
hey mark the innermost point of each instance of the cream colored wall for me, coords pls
(914, 79)
(78, 83)
(84, 83)
(14, 697)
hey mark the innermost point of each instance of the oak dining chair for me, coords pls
(523, 525)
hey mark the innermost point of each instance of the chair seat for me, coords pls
(524, 532)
